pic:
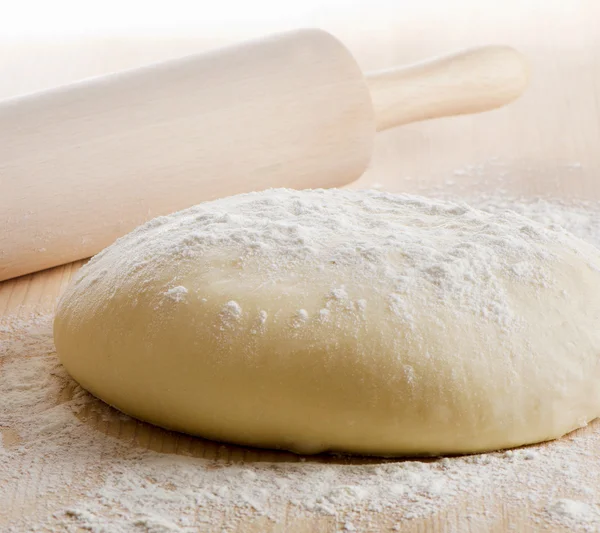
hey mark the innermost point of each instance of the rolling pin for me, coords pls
(83, 164)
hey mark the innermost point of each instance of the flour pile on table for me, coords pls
(79, 464)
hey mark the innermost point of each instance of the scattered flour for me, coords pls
(70, 463)
(230, 314)
(575, 513)
(177, 294)
(301, 318)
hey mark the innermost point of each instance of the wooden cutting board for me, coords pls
(548, 143)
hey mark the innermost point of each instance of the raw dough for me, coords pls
(341, 320)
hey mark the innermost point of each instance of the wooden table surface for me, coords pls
(555, 126)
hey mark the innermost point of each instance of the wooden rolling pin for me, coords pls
(83, 164)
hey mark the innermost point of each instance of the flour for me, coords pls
(69, 462)
(573, 512)
(177, 294)
(230, 314)
(410, 243)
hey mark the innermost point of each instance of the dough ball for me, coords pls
(353, 321)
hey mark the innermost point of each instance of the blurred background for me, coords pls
(552, 132)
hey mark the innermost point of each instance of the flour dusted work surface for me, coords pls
(352, 321)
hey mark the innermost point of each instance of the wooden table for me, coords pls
(554, 127)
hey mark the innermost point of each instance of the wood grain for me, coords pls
(548, 142)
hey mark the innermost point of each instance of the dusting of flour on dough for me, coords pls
(415, 245)
(60, 469)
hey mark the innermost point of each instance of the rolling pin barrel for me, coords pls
(84, 164)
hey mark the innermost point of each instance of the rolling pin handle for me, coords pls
(470, 81)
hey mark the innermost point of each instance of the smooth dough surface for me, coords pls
(354, 321)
